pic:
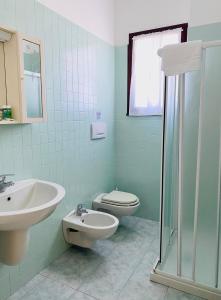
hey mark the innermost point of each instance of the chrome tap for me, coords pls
(4, 185)
(80, 210)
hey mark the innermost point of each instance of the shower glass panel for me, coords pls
(206, 251)
(169, 217)
(177, 218)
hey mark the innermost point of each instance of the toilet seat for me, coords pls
(120, 199)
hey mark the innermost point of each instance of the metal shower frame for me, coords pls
(157, 275)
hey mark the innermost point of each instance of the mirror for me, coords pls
(3, 97)
(22, 87)
(32, 79)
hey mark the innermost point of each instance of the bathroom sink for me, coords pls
(22, 205)
(28, 202)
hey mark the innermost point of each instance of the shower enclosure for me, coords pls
(190, 236)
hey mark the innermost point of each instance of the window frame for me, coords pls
(183, 26)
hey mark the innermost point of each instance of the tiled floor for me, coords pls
(115, 269)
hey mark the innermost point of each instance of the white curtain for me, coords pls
(147, 80)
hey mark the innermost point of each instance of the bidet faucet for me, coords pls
(4, 185)
(80, 210)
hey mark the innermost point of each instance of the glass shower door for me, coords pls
(190, 233)
(169, 192)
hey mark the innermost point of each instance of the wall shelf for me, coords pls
(4, 122)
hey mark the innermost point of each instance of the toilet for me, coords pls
(84, 230)
(117, 203)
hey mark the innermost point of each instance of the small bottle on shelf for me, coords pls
(1, 114)
(6, 112)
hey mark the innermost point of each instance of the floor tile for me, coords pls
(74, 266)
(111, 276)
(177, 295)
(49, 290)
(114, 269)
(108, 279)
(81, 296)
(28, 287)
(120, 235)
(142, 289)
(139, 285)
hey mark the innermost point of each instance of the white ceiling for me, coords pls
(96, 16)
(113, 20)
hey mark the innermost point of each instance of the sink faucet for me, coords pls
(4, 185)
(80, 210)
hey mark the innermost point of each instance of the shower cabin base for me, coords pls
(165, 272)
(184, 285)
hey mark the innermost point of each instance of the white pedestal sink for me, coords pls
(26, 203)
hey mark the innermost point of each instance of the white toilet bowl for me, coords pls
(91, 226)
(117, 203)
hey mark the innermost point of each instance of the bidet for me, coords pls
(85, 229)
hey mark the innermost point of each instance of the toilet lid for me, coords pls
(120, 198)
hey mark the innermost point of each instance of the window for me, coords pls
(145, 78)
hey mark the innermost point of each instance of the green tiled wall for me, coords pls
(79, 82)
(138, 145)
